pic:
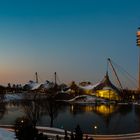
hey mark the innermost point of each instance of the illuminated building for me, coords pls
(107, 90)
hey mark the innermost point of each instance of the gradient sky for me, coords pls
(72, 37)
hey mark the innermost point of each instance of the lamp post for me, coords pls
(138, 44)
(95, 129)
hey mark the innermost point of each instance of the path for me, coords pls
(52, 132)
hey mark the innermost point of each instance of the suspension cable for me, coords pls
(126, 74)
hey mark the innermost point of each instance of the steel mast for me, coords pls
(36, 77)
(109, 60)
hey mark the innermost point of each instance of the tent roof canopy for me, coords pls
(106, 83)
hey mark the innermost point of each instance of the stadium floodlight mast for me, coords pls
(138, 44)
(138, 37)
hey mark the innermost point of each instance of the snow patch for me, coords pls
(33, 85)
(13, 96)
(89, 87)
(6, 135)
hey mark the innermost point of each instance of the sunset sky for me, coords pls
(72, 37)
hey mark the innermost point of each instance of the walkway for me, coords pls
(52, 132)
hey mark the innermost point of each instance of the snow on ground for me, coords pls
(86, 98)
(33, 85)
(13, 96)
(89, 87)
(6, 135)
(48, 85)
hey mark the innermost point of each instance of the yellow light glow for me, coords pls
(138, 33)
(108, 94)
(105, 109)
(88, 108)
(102, 109)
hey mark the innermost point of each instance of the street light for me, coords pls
(95, 129)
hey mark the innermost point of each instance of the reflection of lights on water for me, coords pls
(84, 108)
(133, 97)
(88, 108)
(103, 109)
(72, 108)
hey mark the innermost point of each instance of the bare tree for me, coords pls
(52, 109)
(33, 109)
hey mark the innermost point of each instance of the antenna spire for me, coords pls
(36, 76)
(55, 78)
(138, 44)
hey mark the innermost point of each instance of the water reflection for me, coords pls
(37, 108)
(52, 109)
(101, 115)
(33, 110)
(106, 110)
(101, 109)
(125, 109)
(109, 119)
(137, 112)
(2, 109)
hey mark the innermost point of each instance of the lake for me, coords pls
(95, 119)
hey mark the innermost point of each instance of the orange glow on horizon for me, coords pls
(14, 77)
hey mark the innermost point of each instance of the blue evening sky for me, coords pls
(72, 37)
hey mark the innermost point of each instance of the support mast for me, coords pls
(109, 60)
(55, 78)
(36, 77)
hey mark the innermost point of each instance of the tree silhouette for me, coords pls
(33, 109)
(52, 109)
(78, 133)
(24, 129)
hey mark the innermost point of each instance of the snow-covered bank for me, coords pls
(13, 96)
(6, 134)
